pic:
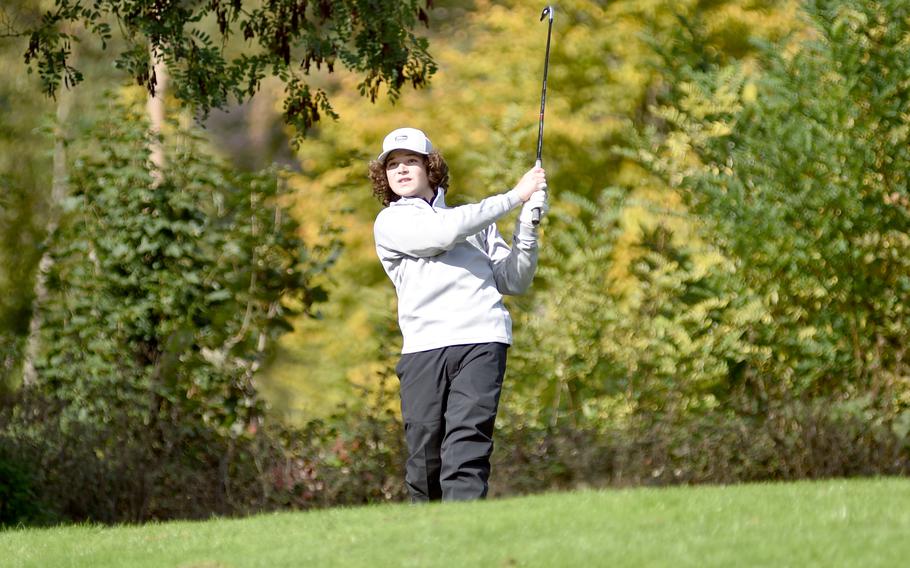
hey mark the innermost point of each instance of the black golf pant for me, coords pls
(449, 398)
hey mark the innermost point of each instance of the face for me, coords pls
(407, 174)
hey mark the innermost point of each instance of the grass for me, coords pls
(828, 523)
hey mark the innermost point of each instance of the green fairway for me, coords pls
(831, 523)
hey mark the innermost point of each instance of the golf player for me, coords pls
(450, 268)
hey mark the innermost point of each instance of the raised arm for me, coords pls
(424, 231)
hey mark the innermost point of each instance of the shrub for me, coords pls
(805, 194)
(19, 501)
(817, 438)
(128, 470)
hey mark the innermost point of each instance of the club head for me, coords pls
(548, 11)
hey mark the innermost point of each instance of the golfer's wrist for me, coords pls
(515, 197)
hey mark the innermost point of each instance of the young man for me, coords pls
(450, 268)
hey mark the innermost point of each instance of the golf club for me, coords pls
(548, 11)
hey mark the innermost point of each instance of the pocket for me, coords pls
(400, 366)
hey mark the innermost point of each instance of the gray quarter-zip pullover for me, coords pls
(450, 267)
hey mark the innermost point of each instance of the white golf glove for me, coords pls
(539, 200)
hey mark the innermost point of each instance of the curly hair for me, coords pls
(437, 175)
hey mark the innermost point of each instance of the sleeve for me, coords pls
(424, 232)
(513, 269)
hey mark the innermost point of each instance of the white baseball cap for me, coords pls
(405, 139)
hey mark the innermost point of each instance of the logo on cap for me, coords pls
(405, 139)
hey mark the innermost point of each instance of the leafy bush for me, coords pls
(357, 457)
(352, 458)
(806, 194)
(769, 341)
(672, 339)
(127, 471)
(163, 297)
(166, 290)
(819, 438)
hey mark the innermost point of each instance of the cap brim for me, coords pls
(385, 154)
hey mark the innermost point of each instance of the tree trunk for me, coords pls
(59, 191)
(156, 112)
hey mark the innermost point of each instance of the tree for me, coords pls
(377, 44)
(291, 40)
(807, 194)
(167, 295)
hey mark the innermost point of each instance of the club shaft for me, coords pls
(535, 214)
(543, 93)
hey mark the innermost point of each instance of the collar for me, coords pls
(439, 201)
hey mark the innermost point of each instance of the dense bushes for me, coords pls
(805, 194)
(797, 440)
(127, 471)
(357, 457)
(163, 296)
(674, 338)
(167, 284)
(780, 274)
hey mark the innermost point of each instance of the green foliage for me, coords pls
(807, 194)
(792, 439)
(684, 331)
(572, 368)
(355, 456)
(123, 470)
(35, 133)
(167, 291)
(290, 38)
(164, 297)
(669, 343)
